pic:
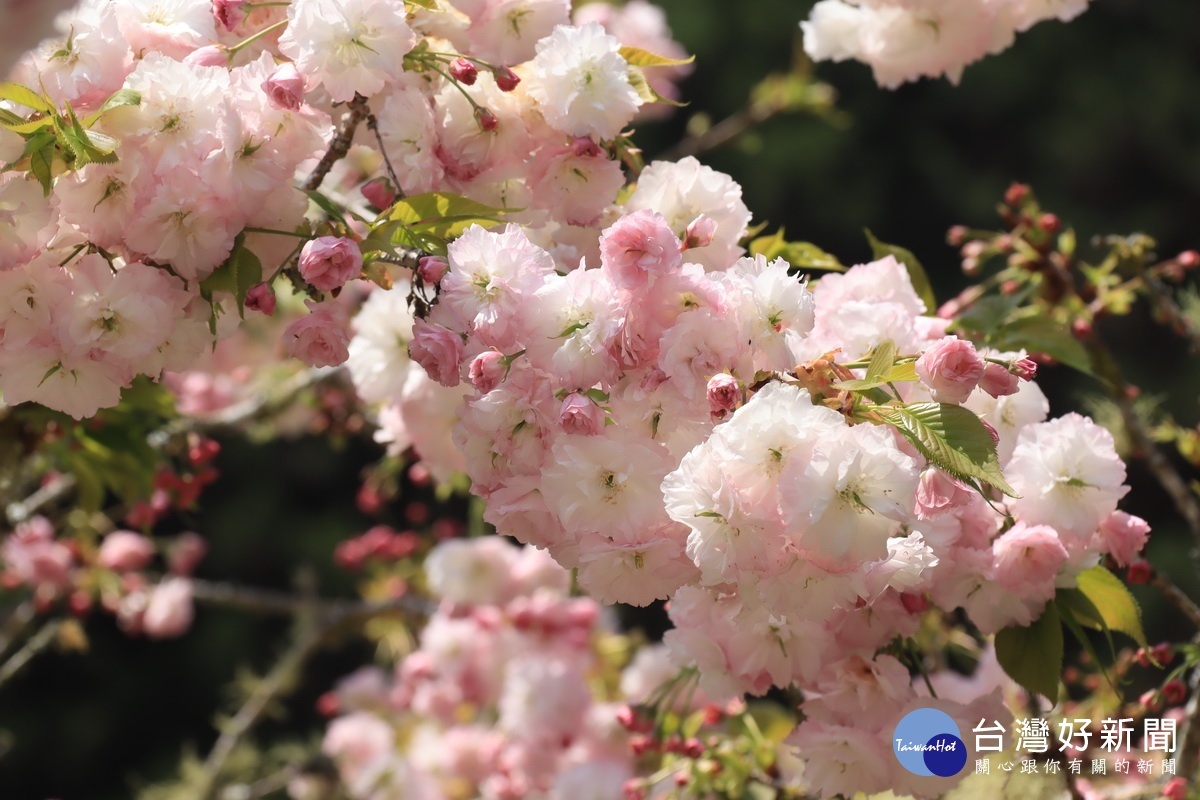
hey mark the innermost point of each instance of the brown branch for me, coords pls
(265, 601)
(373, 127)
(1176, 596)
(36, 644)
(340, 145)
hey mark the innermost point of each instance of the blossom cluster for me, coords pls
(904, 40)
(208, 113)
(498, 699)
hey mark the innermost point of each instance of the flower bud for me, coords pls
(463, 71)
(1025, 369)
(1151, 701)
(1139, 572)
(438, 349)
(432, 268)
(724, 395)
(956, 235)
(1174, 692)
(169, 611)
(125, 551)
(998, 381)
(185, 553)
(213, 55)
(261, 297)
(229, 13)
(486, 120)
(327, 262)
(1050, 223)
(937, 493)
(379, 192)
(1016, 194)
(487, 370)
(506, 79)
(580, 415)
(1163, 653)
(1188, 259)
(1176, 789)
(951, 368)
(700, 232)
(285, 87)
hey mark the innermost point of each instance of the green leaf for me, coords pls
(1033, 656)
(899, 373)
(429, 4)
(801, 255)
(24, 127)
(637, 79)
(882, 358)
(122, 97)
(442, 214)
(240, 272)
(952, 438)
(25, 96)
(916, 273)
(1110, 598)
(325, 204)
(1040, 334)
(41, 164)
(644, 58)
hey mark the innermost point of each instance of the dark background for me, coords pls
(1101, 116)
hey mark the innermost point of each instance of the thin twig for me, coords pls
(727, 130)
(340, 145)
(15, 624)
(373, 126)
(22, 510)
(1177, 598)
(274, 684)
(36, 644)
(265, 601)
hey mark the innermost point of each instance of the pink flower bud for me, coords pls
(1026, 369)
(285, 87)
(213, 55)
(1176, 789)
(463, 71)
(700, 232)
(261, 297)
(318, 339)
(580, 415)
(186, 553)
(486, 120)
(1139, 572)
(327, 262)
(998, 381)
(937, 493)
(1123, 536)
(169, 611)
(487, 371)
(584, 147)
(379, 192)
(951, 369)
(125, 551)
(506, 79)
(724, 395)
(432, 268)
(438, 349)
(229, 13)
(1174, 692)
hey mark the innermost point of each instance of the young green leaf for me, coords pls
(1040, 334)
(442, 214)
(882, 358)
(1112, 601)
(1033, 656)
(644, 58)
(240, 272)
(23, 95)
(952, 438)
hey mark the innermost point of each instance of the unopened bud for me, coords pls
(1151, 701)
(1016, 194)
(1081, 328)
(1188, 259)
(432, 268)
(463, 71)
(285, 86)
(379, 192)
(506, 79)
(1025, 369)
(956, 235)
(1174, 692)
(700, 232)
(724, 395)
(213, 55)
(1050, 223)
(229, 13)
(1139, 572)
(486, 120)
(261, 297)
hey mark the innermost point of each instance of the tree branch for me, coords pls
(340, 145)
(36, 644)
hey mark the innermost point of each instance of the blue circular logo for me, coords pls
(927, 742)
